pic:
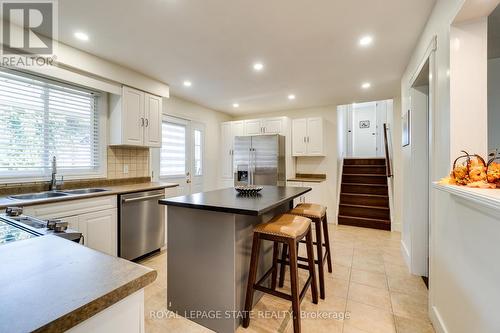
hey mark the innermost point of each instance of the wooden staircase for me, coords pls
(364, 194)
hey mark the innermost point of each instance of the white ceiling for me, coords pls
(309, 48)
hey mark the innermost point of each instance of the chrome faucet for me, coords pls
(53, 180)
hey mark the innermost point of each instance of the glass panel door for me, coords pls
(181, 157)
(175, 156)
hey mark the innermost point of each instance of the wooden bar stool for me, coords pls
(317, 214)
(286, 229)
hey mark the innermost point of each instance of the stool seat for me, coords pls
(309, 210)
(285, 225)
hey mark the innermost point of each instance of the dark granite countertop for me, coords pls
(308, 177)
(111, 190)
(228, 201)
(49, 284)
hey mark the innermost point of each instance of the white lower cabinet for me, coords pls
(316, 195)
(95, 218)
(99, 230)
(126, 316)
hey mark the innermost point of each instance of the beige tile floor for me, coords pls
(369, 291)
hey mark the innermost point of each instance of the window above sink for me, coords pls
(41, 118)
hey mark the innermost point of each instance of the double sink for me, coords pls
(56, 194)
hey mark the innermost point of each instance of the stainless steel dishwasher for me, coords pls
(142, 224)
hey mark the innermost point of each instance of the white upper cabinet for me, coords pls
(238, 128)
(135, 119)
(265, 126)
(253, 127)
(308, 137)
(152, 116)
(299, 135)
(273, 125)
(315, 136)
(132, 116)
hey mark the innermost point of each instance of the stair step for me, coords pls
(364, 161)
(365, 169)
(365, 222)
(364, 199)
(364, 189)
(374, 212)
(364, 179)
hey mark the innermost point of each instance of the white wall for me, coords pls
(468, 88)
(327, 164)
(79, 67)
(493, 104)
(461, 260)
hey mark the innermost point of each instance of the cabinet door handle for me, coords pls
(147, 122)
(305, 140)
(142, 122)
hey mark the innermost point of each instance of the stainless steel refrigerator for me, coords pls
(259, 160)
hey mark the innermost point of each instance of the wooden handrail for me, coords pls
(387, 157)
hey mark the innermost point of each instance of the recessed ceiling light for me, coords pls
(366, 40)
(258, 66)
(236, 105)
(291, 97)
(187, 83)
(81, 36)
(366, 85)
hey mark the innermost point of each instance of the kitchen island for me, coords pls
(209, 239)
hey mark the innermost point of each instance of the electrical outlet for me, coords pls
(125, 168)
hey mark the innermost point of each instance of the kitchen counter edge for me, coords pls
(232, 210)
(112, 190)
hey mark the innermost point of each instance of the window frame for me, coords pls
(196, 126)
(68, 174)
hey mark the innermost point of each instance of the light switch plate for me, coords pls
(125, 168)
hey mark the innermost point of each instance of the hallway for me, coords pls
(370, 286)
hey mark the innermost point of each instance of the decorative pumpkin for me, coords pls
(469, 169)
(493, 169)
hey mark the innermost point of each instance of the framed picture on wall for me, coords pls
(406, 128)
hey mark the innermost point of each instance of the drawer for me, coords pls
(72, 207)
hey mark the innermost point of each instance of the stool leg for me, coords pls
(327, 243)
(283, 265)
(312, 269)
(294, 285)
(321, 271)
(274, 277)
(254, 262)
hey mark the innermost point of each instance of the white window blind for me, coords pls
(173, 149)
(40, 119)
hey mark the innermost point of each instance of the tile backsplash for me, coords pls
(121, 158)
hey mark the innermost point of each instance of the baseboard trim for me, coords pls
(406, 255)
(437, 321)
(395, 226)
